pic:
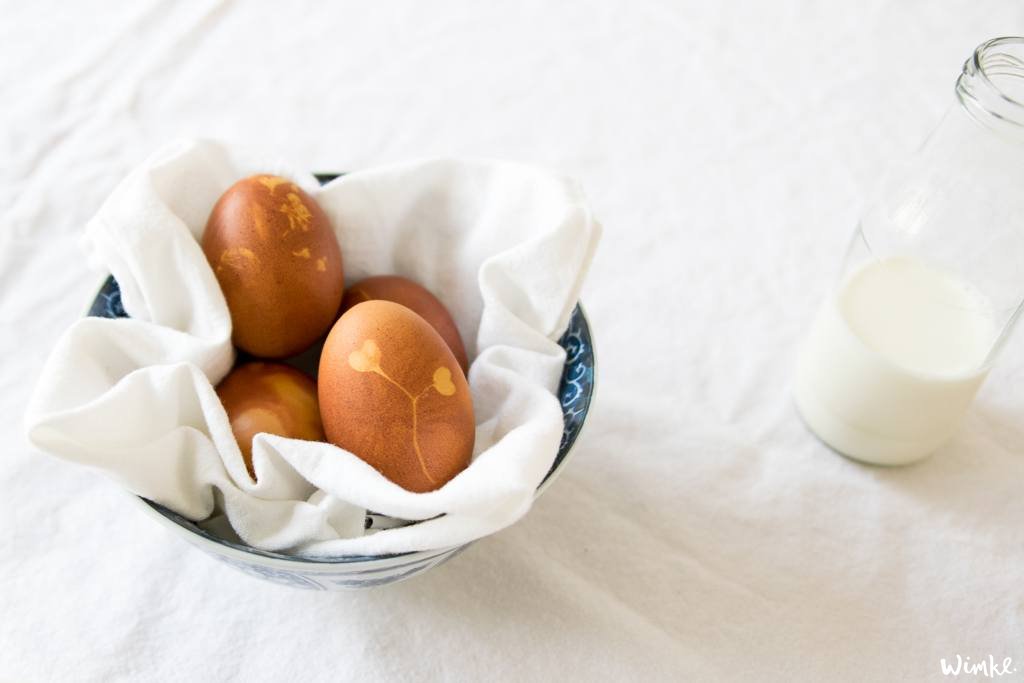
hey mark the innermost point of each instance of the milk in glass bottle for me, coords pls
(932, 281)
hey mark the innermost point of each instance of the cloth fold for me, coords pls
(506, 247)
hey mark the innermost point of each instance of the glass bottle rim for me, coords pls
(981, 95)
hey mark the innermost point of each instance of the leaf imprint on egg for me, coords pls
(270, 182)
(367, 359)
(237, 258)
(298, 214)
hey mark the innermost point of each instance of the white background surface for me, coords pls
(700, 532)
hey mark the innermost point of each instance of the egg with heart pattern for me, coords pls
(392, 393)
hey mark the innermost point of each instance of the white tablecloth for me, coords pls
(700, 531)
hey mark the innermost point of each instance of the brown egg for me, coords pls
(278, 263)
(413, 296)
(392, 393)
(271, 398)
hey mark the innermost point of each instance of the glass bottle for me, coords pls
(932, 281)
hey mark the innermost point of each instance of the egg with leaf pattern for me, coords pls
(278, 263)
(270, 398)
(392, 393)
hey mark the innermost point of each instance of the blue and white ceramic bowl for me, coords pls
(575, 390)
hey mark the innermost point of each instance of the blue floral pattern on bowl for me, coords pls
(577, 385)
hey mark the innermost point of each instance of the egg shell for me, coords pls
(392, 393)
(278, 263)
(271, 398)
(414, 296)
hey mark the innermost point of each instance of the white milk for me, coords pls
(893, 361)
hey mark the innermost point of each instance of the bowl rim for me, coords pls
(244, 553)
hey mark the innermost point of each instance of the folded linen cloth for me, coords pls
(504, 246)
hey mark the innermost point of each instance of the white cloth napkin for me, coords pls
(504, 246)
